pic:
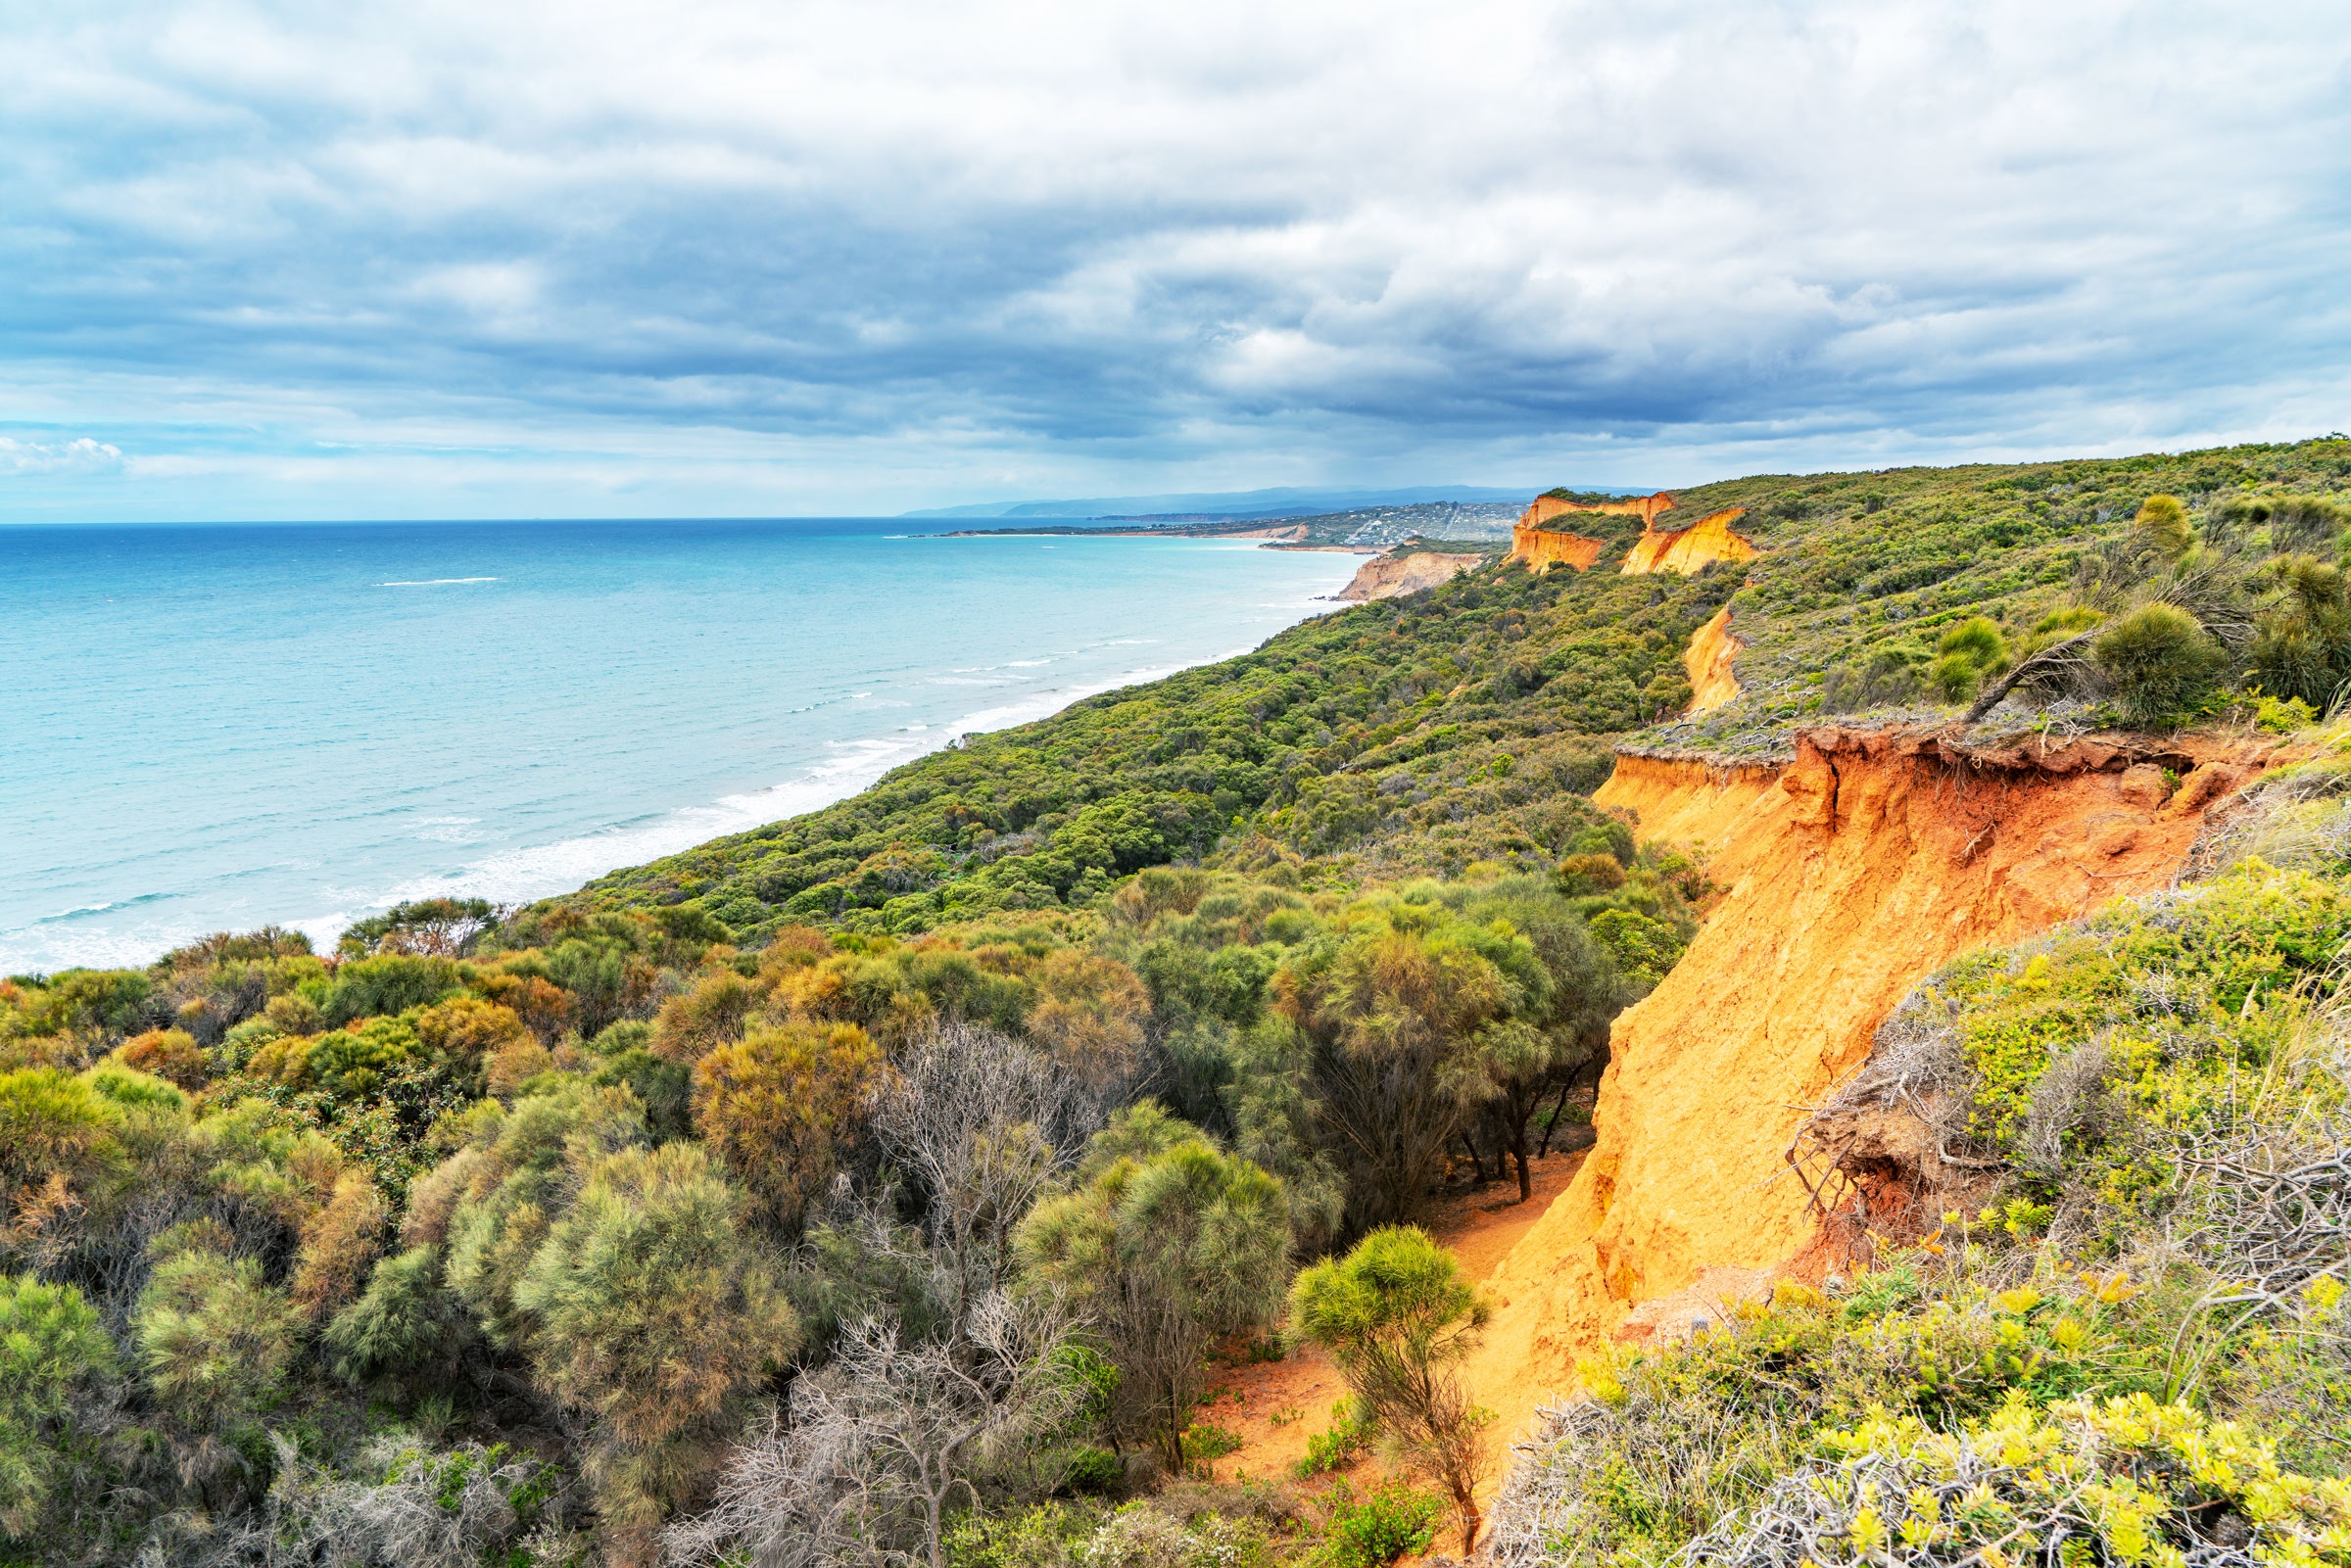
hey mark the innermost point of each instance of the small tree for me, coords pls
(1394, 1014)
(985, 1125)
(1170, 1245)
(53, 1350)
(1398, 1318)
(1560, 1026)
(778, 1106)
(652, 1313)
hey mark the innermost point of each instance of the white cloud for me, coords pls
(1222, 243)
(78, 459)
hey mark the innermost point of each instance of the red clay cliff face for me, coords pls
(1852, 873)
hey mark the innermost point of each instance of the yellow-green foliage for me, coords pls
(2114, 1473)
(2195, 1000)
(1917, 1362)
(53, 1350)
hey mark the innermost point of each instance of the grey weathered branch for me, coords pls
(2055, 656)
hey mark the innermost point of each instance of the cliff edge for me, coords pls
(1394, 575)
(1852, 873)
(1683, 550)
(1709, 658)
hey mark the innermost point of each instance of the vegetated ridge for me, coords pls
(1956, 946)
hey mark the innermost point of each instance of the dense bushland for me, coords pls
(579, 1226)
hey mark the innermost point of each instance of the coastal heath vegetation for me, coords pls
(868, 1188)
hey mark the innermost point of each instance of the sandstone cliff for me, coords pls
(1683, 549)
(1649, 508)
(1541, 549)
(1708, 659)
(1392, 574)
(1852, 873)
(1686, 550)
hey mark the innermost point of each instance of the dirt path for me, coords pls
(1275, 1406)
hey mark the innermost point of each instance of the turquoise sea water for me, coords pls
(214, 727)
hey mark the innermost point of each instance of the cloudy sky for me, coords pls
(568, 258)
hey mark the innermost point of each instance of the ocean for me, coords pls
(211, 728)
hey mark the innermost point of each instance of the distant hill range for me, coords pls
(1287, 502)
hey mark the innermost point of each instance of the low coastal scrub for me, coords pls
(596, 1235)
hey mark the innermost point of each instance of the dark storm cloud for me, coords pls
(750, 258)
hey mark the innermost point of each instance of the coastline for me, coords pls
(119, 893)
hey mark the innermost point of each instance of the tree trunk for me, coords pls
(1470, 1518)
(1470, 1144)
(1526, 1183)
(2048, 659)
(1551, 1127)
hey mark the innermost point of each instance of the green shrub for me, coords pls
(1091, 1470)
(654, 1307)
(1205, 1443)
(1580, 875)
(2274, 717)
(1340, 1447)
(52, 1349)
(1966, 655)
(1382, 1527)
(2185, 1004)
(1049, 1534)
(2159, 663)
(404, 1320)
(2121, 1480)
(214, 1338)
(2162, 523)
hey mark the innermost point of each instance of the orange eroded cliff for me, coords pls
(1649, 508)
(1686, 550)
(1708, 658)
(1390, 576)
(1541, 549)
(1851, 874)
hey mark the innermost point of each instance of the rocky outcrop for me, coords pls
(1852, 873)
(1686, 550)
(1649, 508)
(1683, 549)
(1392, 574)
(1541, 549)
(1708, 659)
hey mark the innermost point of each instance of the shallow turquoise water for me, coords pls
(216, 727)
